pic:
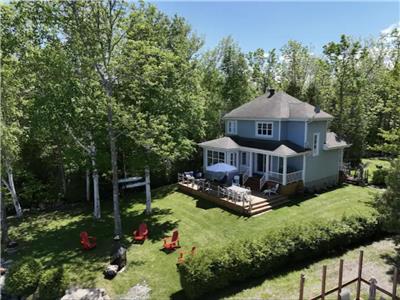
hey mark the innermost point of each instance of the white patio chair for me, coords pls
(273, 190)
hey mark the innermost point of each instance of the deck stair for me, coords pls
(261, 205)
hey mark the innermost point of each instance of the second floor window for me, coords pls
(232, 127)
(264, 129)
(315, 149)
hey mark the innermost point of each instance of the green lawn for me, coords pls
(373, 162)
(54, 237)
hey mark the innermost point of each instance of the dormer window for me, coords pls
(264, 129)
(232, 127)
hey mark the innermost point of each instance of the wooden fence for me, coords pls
(359, 280)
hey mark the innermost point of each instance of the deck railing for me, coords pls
(278, 177)
(275, 177)
(263, 180)
(294, 176)
(246, 175)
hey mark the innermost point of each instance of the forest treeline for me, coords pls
(92, 91)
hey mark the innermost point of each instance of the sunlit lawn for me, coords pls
(54, 237)
(373, 162)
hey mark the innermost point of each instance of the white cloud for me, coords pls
(389, 29)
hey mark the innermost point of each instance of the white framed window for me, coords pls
(244, 159)
(214, 157)
(232, 159)
(315, 149)
(264, 129)
(232, 127)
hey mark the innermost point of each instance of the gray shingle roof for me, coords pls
(234, 142)
(278, 106)
(333, 141)
(221, 143)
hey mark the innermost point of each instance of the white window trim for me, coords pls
(315, 152)
(265, 135)
(234, 124)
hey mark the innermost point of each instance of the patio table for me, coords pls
(238, 189)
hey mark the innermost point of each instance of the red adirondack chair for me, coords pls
(87, 242)
(181, 258)
(142, 233)
(171, 243)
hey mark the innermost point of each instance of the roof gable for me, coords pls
(278, 106)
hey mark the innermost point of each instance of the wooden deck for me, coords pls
(260, 203)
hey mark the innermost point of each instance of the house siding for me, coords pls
(323, 169)
(247, 129)
(295, 132)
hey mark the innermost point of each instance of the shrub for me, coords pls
(239, 261)
(52, 284)
(379, 176)
(23, 277)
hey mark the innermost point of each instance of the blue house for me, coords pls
(278, 138)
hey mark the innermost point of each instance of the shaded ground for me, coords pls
(53, 237)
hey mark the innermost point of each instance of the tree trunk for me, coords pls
(4, 226)
(62, 172)
(87, 185)
(95, 177)
(148, 191)
(114, 167)
(11, 187)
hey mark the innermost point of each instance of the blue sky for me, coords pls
(271, 24)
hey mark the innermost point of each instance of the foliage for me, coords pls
(52, 284)
(219, 267)
(379, 176)
(23, 277)
(388, 203)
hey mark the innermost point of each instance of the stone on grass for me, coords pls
(140, 291)
(85, 294)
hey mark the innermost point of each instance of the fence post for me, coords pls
(395, 276)
(340, 279)
(323, 282)
(372, 289)
(301, 291)
(360, 263)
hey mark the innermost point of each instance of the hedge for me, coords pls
(52, 284)
(23, 277)
(379, 176)
(216, 268)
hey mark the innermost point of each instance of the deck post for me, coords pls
(267, 166)
(360, 263)
(340, 279)
(284, 179)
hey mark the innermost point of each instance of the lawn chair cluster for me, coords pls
(170, 243)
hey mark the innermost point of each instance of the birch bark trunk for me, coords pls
(4, 226)
(11, 187)
(148, 191)
(95, 177)
(87, 185)
(114, 167)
